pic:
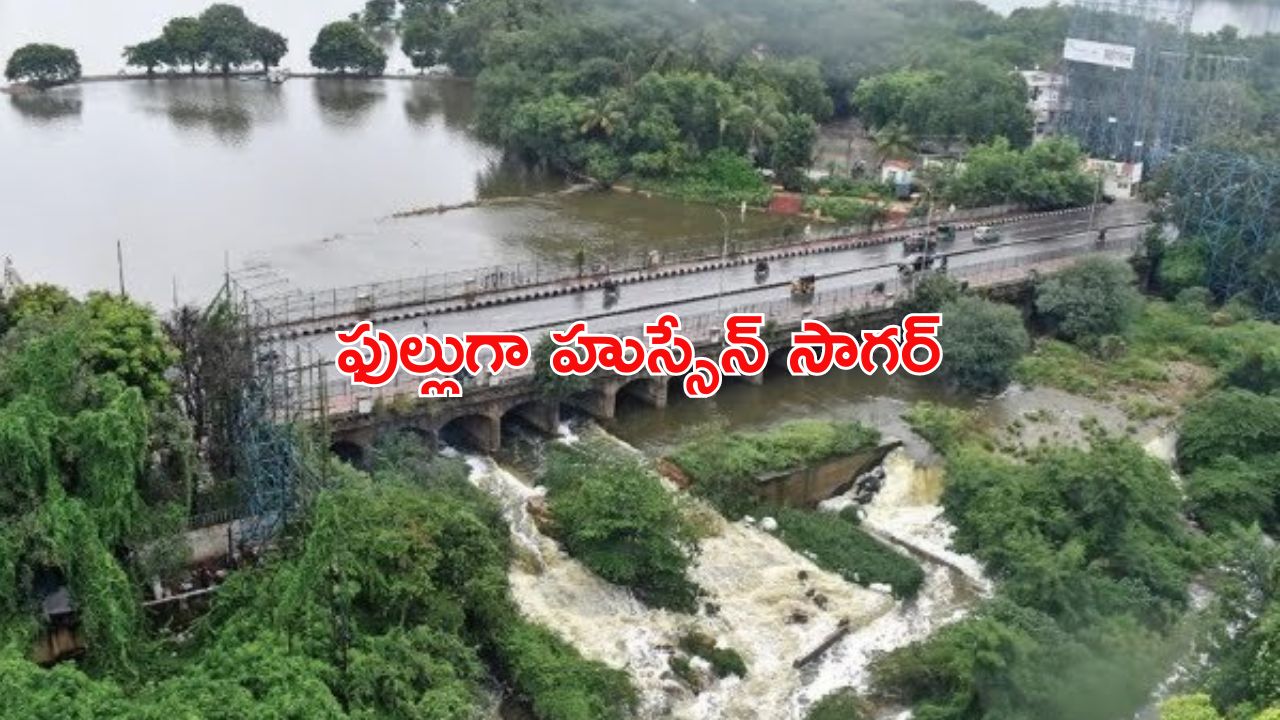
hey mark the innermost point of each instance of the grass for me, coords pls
(838, 545)
(724, 467)
(941, 426)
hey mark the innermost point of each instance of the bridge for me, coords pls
(859, 285)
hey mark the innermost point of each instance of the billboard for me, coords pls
(1096, 53)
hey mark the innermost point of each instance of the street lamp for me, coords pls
(724, 257)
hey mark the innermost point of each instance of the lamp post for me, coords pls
(724, 257)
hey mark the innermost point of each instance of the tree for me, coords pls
(793, 150)
(344, 47)
(225, 36)
(379, 12)
(982, 343)
(612, 513)
(422, 39)
(1231, 491)
(43, 65)
(268, 46)
(1093, 298)
(1229, 422)
(149, 54)
(182, 36)
(893, 141)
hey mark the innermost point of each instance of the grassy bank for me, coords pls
(724, 469)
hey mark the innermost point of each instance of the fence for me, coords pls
(340, 397)
(284, 309)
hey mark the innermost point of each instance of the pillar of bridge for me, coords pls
(600, 402)
(544, 415)
(653, 392)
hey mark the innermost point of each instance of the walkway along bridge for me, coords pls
(860, 286)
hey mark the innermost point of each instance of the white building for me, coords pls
(1044, 98)
(897, 172)
(1119, 179)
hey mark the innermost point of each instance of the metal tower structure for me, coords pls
(1230, 202)
(278, 423)
(1124, 64)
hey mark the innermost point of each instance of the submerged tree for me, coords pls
(43, 65)
(343, 47)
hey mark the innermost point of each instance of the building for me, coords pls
(1119, 179)
(1044, 98)
(898, 173)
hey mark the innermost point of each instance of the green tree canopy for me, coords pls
(981, 343)
(43, 65)
(343, 47)
(1094, 298)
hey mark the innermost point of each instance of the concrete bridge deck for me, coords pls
(359, 415)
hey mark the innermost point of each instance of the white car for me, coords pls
(986, 234)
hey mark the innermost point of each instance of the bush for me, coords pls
(1231, 491)
(839, 705)
(1094, 298)
(721, 177)
(614, 516)
(558, 683)
(724, 467)
(1229, 422)
(837, 544)
(942, 427)
(724, 661)
(982, 343)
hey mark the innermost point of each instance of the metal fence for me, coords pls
(303, 307)
(340, 397)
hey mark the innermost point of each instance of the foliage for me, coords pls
(43, 65)
(853, 211)
(837, 544)
(1229, 491)
(724, 661)
(719, 177)
(793, 150)
(612, 513)
(222, 37)
(724, 467)
(982, 343)
(945, 428)
(422, 38)
(550, 384)
(1089, 300)
(931, 293)
(1074, 533)
(344, 47)
(1229, 422)
(971, 98)
(1013, 662)
(1047, 176)
(842, 704)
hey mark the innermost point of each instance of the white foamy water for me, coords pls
(906, 511)
(772, 605)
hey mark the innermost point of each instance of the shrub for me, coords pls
(724, 661)
(839, 545)
(941, 426)
(982, 343)
(1231, 491)
(1229, 422)
(840, 705)
(614, 516)
(43, 65)
(1093, 298)
(725, 467)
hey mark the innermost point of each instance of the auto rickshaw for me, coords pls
(803, 287)
(762, 271)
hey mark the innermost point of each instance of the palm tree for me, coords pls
(603, 114)
(893, 141)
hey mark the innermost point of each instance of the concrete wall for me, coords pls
(809, 486)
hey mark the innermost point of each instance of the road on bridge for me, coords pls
(736, 286)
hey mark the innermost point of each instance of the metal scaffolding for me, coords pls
(1230, 201)
(278, 421)
(1159, 99)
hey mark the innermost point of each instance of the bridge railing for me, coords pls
(340, 397)
(293, 308)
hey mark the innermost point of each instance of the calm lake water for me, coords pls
(195, 176)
